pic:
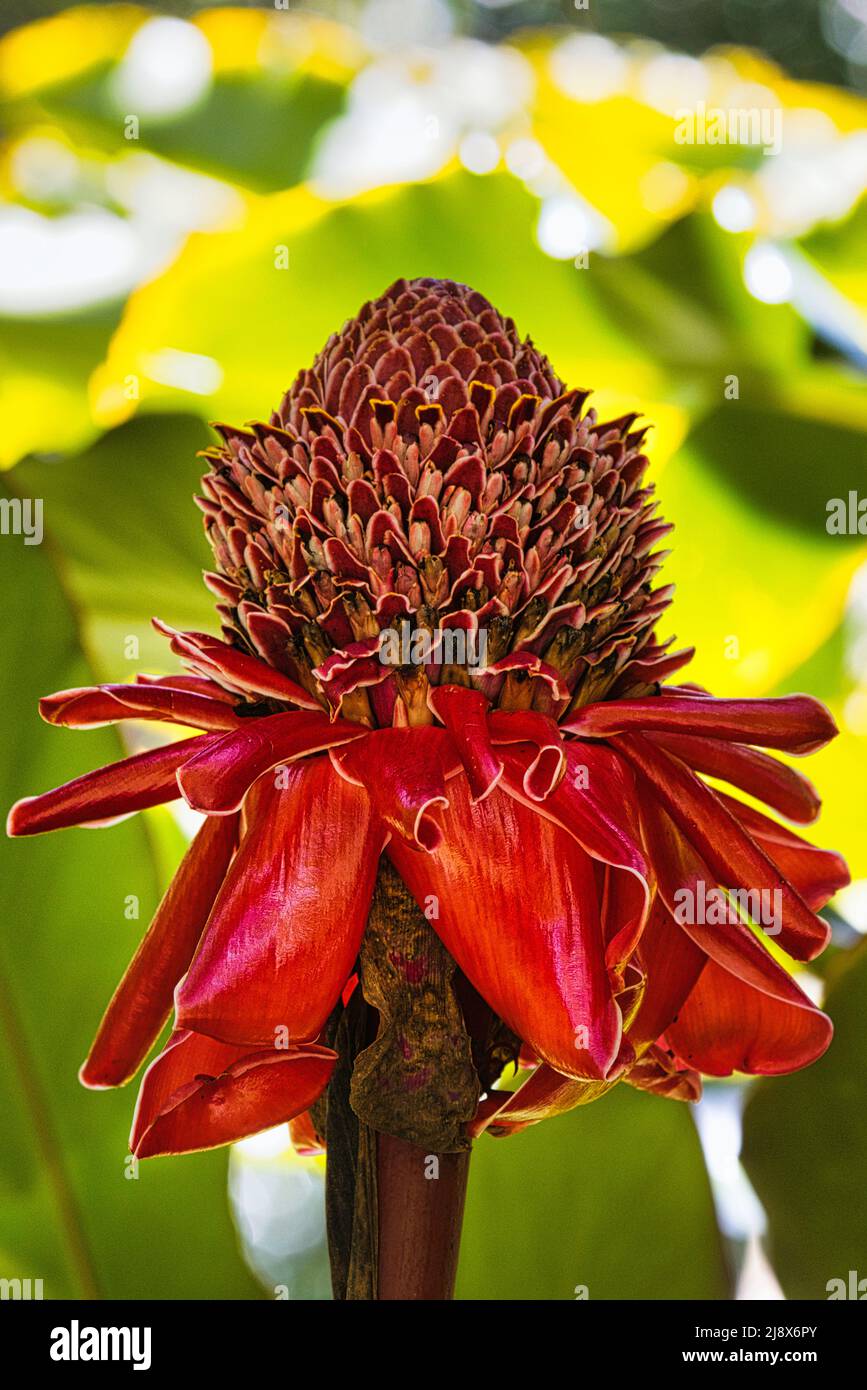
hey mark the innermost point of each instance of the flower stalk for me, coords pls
(397, 1114)
(421, 1207)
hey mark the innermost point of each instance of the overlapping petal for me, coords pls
(797, 723)
(199, 1093)
(725, 1025)
(90, 707)
(816, 873)
(465, 714)
(404, 773)
(229, 665)
(109, 793)
(217, 780)
(287, 924)
(656, 1072)
(544, 1094)
(767, 779)
(143, 999)
(595, 803)
(545, 770)
(532, 949)
(736, 859)
(687, 887)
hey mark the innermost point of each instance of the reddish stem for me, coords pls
(420, 1220)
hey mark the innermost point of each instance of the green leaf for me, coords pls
(129, 538)
(686, 294)
(786, 466)
(750, 551)
(45, 364)
(68, 1213)
(256, 128)
(805, 1149)
(837, 249)
(614, 1196)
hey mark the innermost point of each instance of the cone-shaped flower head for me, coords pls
(430, 473)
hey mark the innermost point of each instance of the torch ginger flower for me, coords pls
(546, 810)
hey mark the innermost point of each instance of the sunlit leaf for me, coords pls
(229, 300)
(271, 83)
(45, 364)
(760, 583)
(838, 251)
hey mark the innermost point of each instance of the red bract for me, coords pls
(429, 476)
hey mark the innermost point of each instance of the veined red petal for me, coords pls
(689, 891)
(109, 793)
(797, 723)
(736, 859)
(762, 776)
(625, 907)
(595, 803)
(725, 1026)
(465, 715)
(217, 780)
(243, 672)
(199, 1094)
(527, 726)
(143, 1000)
(515, 904)
(93, 706)
(197, 685)
(816, 873)
(404, 773)
(287, 924)
(672, 964)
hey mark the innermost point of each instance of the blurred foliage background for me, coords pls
(191, 199)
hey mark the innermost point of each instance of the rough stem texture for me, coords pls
(416, 1080)
(397, 1109)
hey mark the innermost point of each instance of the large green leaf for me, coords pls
(837, 249)
(614, 1196)
(760, 583)
(805, 1149)
(45, 363)
(68, 1214)
(129, 537)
